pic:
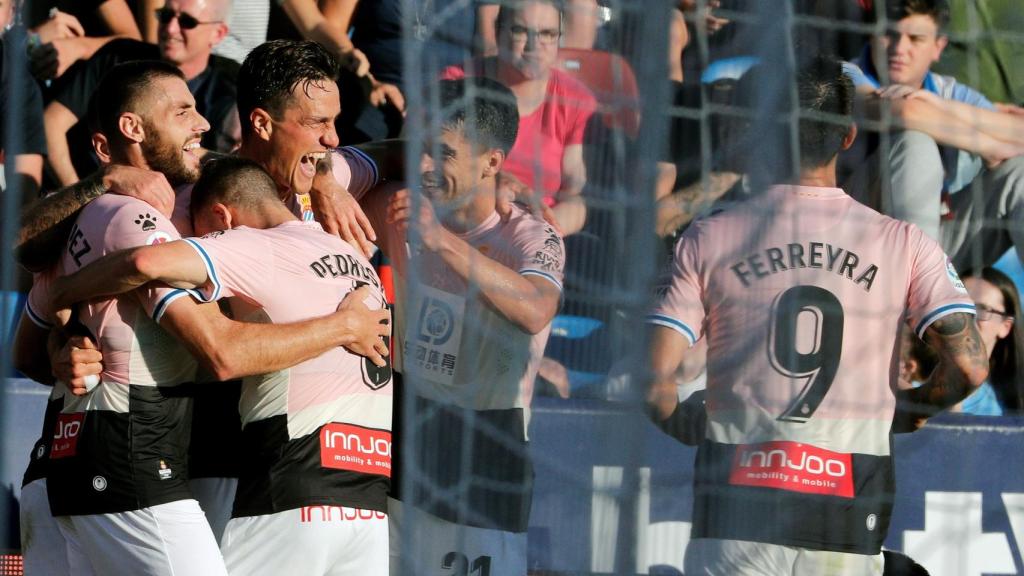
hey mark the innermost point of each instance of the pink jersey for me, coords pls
(467, 353)
(325, 410)
(560, 121)
(123, 446)
(353, 169)
(37, 304)
(802, 294)
(126, 328)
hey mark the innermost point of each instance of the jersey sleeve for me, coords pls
(543, 253)
(354, 170)
(139, 224)
(680, 291)
(37, 305)
(238, 262)
(935, 288)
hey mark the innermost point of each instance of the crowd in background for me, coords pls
(584, 60)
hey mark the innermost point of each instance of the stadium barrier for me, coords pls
(959, 503)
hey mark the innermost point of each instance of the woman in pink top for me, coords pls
(553, 109)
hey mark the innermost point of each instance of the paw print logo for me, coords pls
(147, 221)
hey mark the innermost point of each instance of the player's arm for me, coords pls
(29, 352)
(231, 349)
(685, 421)
(666, 352)
(45, 224)
(174, 263)
(529, 302)
(962, 367)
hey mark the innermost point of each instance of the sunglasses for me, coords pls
(185, 20)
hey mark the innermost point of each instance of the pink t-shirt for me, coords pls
(536, 157)
(802, 294)
(136, 350)
(352, 168)
(464, 352)
(293, 272)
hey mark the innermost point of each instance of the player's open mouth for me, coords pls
(191, 148)
(308, 162)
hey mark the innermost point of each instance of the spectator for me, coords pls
(70, 31)
(378, 32)
(554, 109)
(189, 29)
(583, 20)
(998, 304)
(947, 138)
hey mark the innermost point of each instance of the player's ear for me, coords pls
(495, 159)
(130, 126)
(223, 215)
(101, 147)
(851, 135)
(261, 125)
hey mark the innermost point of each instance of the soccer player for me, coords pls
(288, 101)
(117, 472)
(316, 441)
(480, 292)
(802, 293)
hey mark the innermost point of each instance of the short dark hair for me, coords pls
(121, 90)
(823, 88)
(507, 8)
(233, 181)
(484, 110)
(938, 10)
(274, 69)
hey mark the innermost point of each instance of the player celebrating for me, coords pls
(316, 437)
(118, 473)
(481, 291)
(802, 293)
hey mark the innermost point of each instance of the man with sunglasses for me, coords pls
(188, 31)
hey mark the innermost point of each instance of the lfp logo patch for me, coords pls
(954, 278)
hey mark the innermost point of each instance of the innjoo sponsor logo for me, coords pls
(355, 448)
(793, 466)
(331, 513)
(65, 437)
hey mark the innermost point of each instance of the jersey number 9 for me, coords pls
(806, 343)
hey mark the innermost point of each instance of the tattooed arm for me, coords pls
(962, 367)
(46, 224)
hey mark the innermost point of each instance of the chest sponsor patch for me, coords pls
(357, 449)
(65, 437)
(794, 467)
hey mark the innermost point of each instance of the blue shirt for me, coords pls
(961, 167)
(983, 402)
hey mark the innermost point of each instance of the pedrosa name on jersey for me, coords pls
(793, 466)
(355, 448)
